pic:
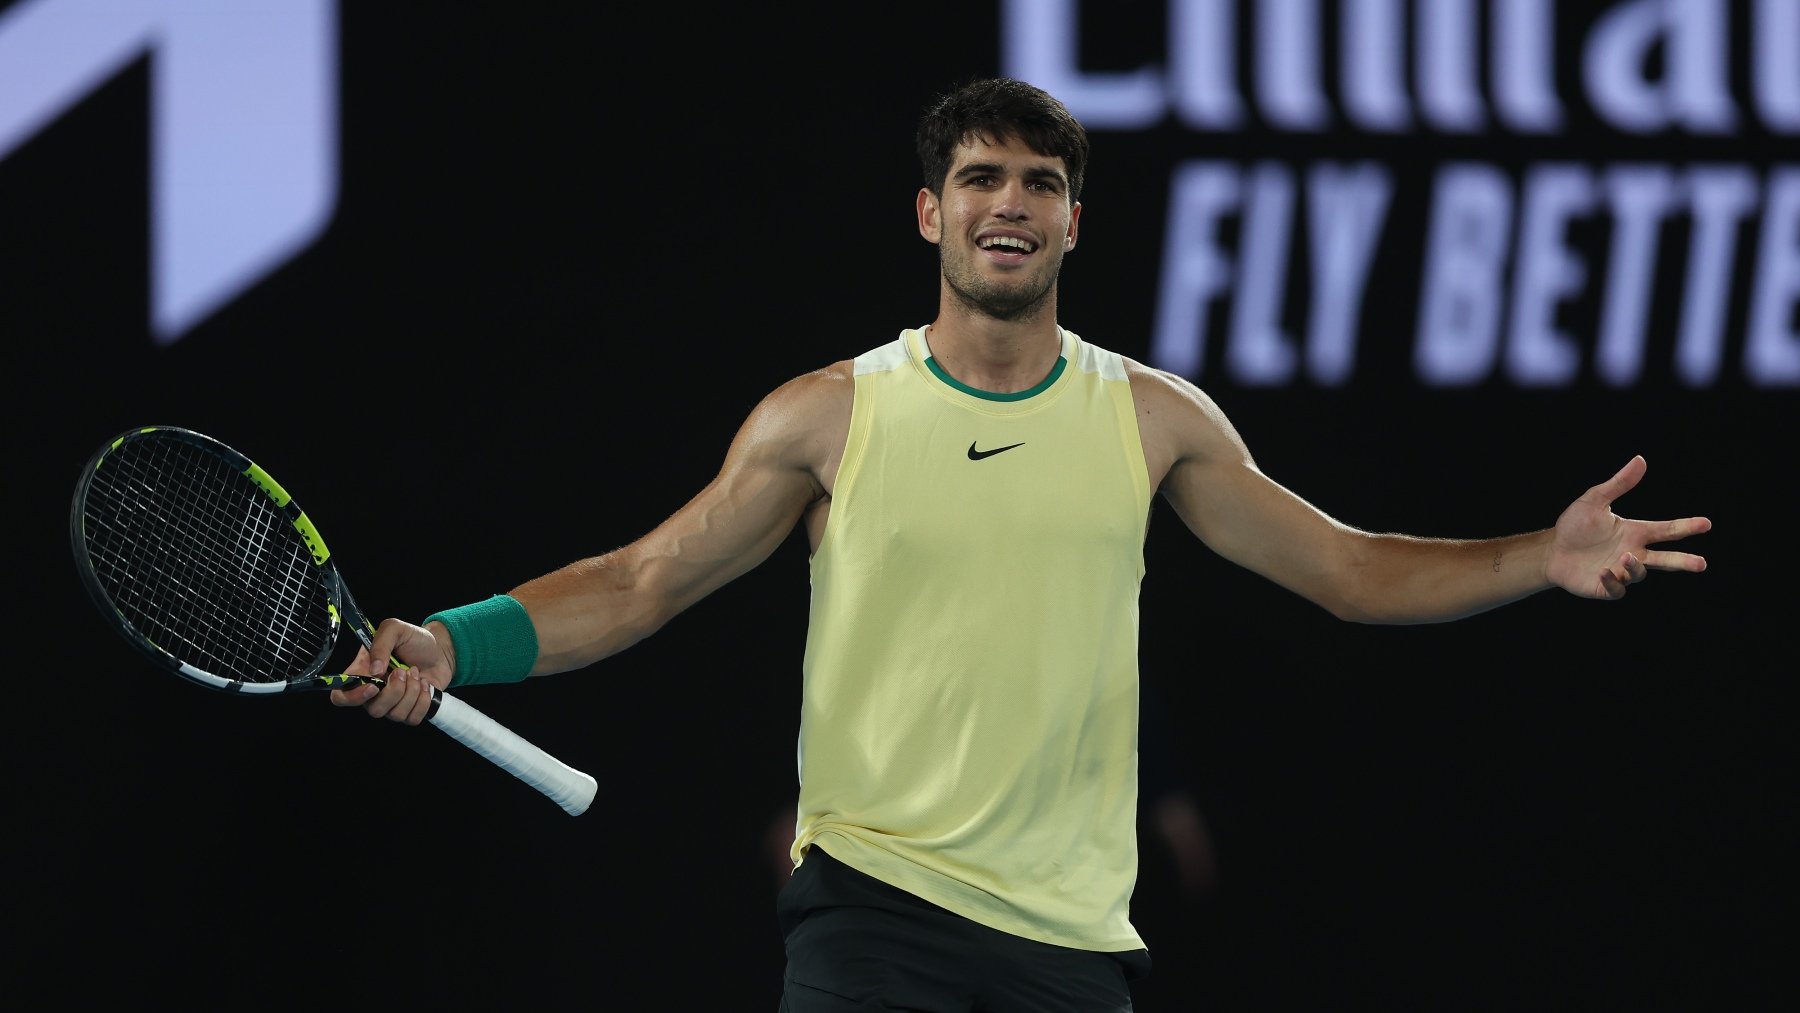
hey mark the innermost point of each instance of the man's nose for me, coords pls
(1009, 203)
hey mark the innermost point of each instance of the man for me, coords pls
(976, 493)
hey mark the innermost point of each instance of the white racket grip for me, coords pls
(570, 788)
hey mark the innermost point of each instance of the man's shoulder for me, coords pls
(885, 357)
(1146, 376)
(821, 389)
(826, 377)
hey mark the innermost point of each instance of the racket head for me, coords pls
(204, 563)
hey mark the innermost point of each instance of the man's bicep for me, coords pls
(768, 479)
(729, 527)
(1244, 515)
(597, 606)
(1215, 486)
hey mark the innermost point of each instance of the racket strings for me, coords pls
(202, 562)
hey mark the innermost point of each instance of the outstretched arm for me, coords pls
(595, 607)
(1208, 476)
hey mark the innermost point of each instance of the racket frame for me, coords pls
(570, 788)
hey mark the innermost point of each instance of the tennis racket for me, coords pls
(206, 564)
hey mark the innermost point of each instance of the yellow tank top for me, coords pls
(968, 731)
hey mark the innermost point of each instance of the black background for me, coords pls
(572, 250)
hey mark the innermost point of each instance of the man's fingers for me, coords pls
(355, 696)
(1686, 562)
(1623, 480)
(412, 697)
(1671, 531)
(1634, 569)
(382, 703)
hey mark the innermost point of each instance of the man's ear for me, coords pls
(931, 224)
(1074, 227)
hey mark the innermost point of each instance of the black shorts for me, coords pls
(856, 943)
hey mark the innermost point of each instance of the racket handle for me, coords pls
(568, 787)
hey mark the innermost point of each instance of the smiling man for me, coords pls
(976, 492)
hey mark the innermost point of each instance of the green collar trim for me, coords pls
(988, 395)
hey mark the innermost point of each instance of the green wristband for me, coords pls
(495, 641)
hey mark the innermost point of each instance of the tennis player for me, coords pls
(976, 492)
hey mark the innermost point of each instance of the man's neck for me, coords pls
(999, 356)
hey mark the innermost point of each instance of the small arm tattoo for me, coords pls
(1497, 556)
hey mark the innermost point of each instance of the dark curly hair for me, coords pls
(997, 110)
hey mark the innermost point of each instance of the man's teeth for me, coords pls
(1017, 244)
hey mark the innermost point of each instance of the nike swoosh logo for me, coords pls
(976, 455)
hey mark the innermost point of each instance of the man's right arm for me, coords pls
(779, 463)
(773, 470)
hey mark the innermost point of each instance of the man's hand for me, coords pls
(1597, 554)
(406, 694)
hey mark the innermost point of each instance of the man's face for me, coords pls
(1002, 226)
